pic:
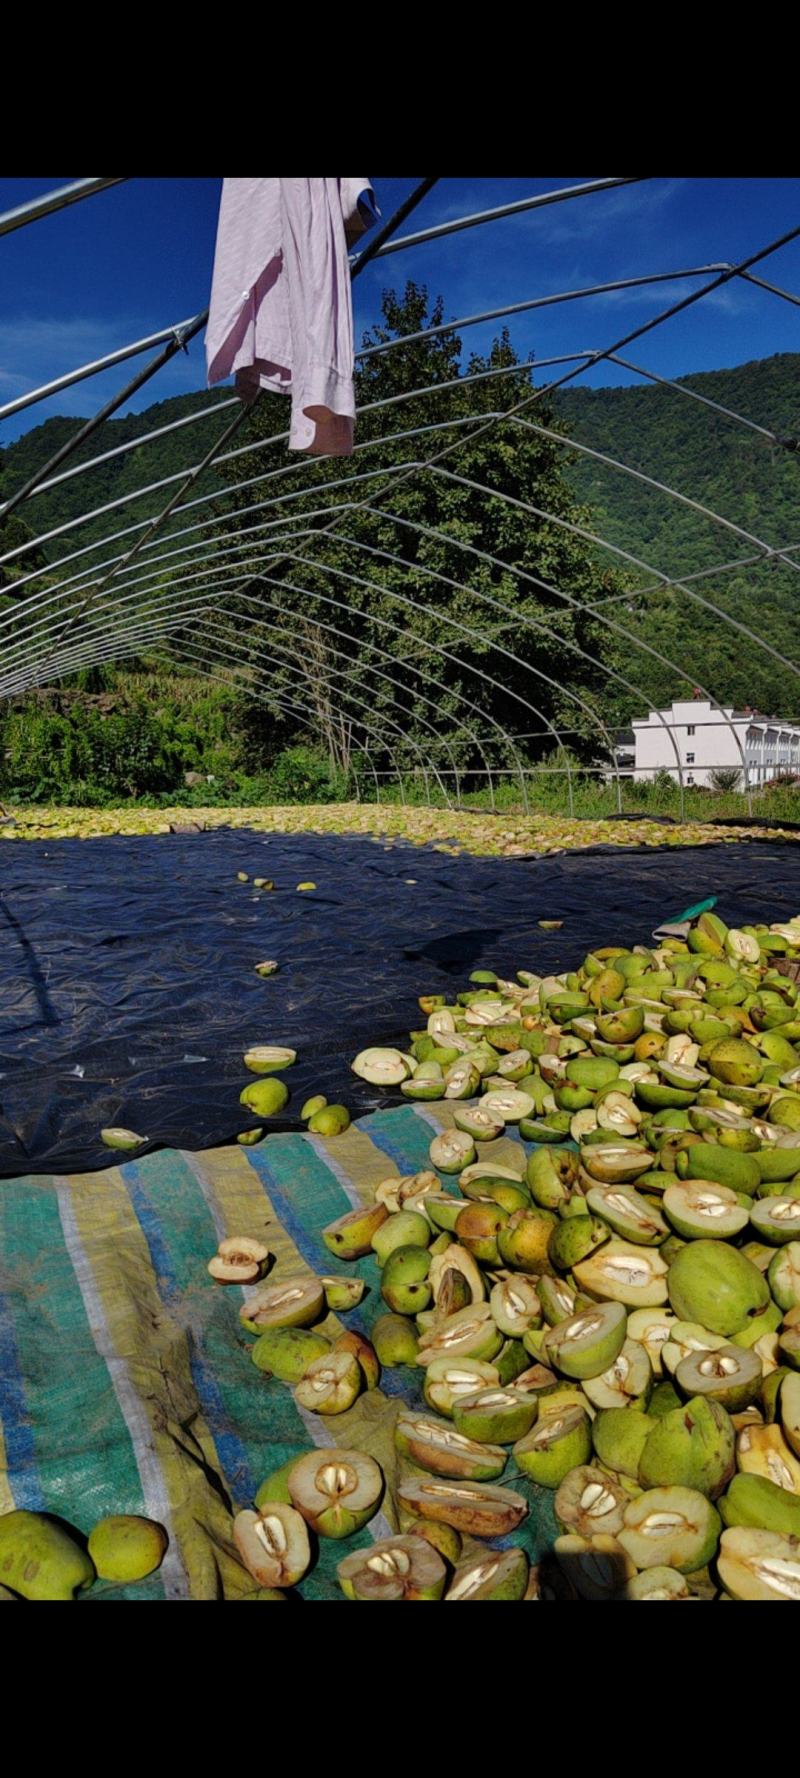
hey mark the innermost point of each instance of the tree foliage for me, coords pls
(429, 596)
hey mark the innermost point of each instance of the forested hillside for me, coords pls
(712, 460)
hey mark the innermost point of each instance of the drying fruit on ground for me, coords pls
(295, 1302)
(330, 1384)
(330, 1120)
(124, 1547)
(122, 1139)
(342, 1294)
(273, 1544)
(606, 1303)
(476, 1508)
(503, 1575)
(38, 1558)
(435, 1446)
(265, 1097)
(337, 1491)
(671, 1527)
(351, 1235)
(264, 1058)
(239, 1260)
(759, 1565)
(398, 1568)
(287, 1352)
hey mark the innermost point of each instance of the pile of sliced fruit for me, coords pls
(615, 1317)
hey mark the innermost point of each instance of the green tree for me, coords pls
(464, 556)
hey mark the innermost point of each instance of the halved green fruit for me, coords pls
(628, 1214)
(452, 1151)
(295, 1302)
(448, 1380)
(496, 1416)
(337, 1491)
(783, 1275)
(477, 1123)
(763, 1450)
(671, 1527)
(777, 1220)
(273, 1544)
(515, 1306)
(586, 1344)
(472, 1333)
(729, 1375)
(657, 1583)
(590, 1501)
(331, 1384)
(559, 1443)
(479, 1509)
(396, 1568)
(652, 1328)
(263, 1058)
(623, 1273)
(759, 1564)
(703, 1208)
(385, 1067)
(615, 1163)
(350, 1235)
(443, 1450)
(626, 1383)
(501, 1575)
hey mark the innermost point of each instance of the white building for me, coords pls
(708, 739)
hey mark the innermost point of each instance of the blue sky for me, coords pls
(138, 257)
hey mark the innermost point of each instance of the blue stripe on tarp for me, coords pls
(231, 1450)
(402, 1135)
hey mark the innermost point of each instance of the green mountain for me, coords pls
(742, 476)
(739, 473)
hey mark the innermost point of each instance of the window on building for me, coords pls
(690, 759)
(690, 777)
(690, 729)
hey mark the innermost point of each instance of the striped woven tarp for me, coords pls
(125, 1378)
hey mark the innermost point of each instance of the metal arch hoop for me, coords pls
(87, 654)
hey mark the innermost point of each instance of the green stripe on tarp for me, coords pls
(80, 1445)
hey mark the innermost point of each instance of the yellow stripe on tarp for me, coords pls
(240, 1204)
(358, 1164)
(7, 1501)
(152, 1380)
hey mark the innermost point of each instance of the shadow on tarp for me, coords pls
(128, 991)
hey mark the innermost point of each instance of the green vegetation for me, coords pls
(739, 474)
(142, 736)
(383, 636)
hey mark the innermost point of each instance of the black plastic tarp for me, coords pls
(128, 992)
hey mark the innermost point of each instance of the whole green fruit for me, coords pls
(39, 1560)
(125, 1547)
(693, 1447)
(713, 1284)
